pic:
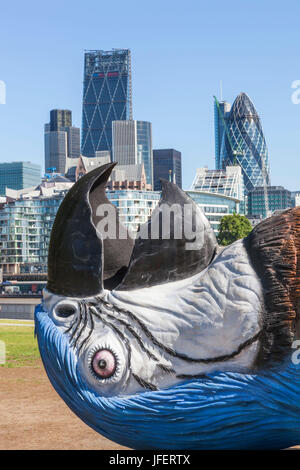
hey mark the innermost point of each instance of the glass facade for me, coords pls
(73, 140)
(135, 207)
(245, 144)
(215, 206)
(62, 140)
(144, 148)
(228, 182)
(25, 228)
(19, 175)
(60, 118)
(56, 149)
(221, 114)
(166, 165)
(279, 198)
(106, 97)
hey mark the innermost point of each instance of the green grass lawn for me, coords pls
(20, 322)
(21, 346)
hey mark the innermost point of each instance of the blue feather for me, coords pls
(220, 411)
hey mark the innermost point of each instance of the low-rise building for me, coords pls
(279, 198)
(228, 182)
(254, 219)
(19, 175)
(295, 195)
(215, 206)
(129, 177)
(134, 207)
(122, 176)
(26, 219)
(75, 168)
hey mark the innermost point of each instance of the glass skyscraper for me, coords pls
(221, 114)
(106, 97)
(167, 165)
(144, 148)
(60, 118)
(62, 140)
(244, 144)
(132, 144)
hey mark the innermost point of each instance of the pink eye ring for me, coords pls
(104, 363)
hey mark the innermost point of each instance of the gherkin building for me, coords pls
(244, 144)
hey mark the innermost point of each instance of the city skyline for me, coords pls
(174, 78)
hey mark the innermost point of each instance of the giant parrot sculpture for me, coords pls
(169, 342)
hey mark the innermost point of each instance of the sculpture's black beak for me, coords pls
(164, 257)
(79, 262)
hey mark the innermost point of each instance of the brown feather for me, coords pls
(274, 250)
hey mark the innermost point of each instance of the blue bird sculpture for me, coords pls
(164, 340)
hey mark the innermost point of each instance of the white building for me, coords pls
(134, 207)
(228, 182)
(215, 206)
(295, 195)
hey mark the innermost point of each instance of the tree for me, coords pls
(232, 228)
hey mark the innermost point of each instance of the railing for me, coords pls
(20, 296)
(25, 277)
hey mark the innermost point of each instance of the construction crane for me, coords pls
(265, 187)
(238, 151)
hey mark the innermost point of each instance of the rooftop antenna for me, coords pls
(221, 91)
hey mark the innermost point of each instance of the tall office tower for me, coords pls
(19, 175)
(73, 142)
(221, 114)
(106, 97)
(62, 140)
(167, 165)
(60, 118)
(244, 144)
(132, 145)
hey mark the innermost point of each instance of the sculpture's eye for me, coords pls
(65, 309)
(104, 363)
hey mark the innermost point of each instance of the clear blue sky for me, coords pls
(180, 52)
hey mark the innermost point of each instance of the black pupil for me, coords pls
(102, 364)
(66, 311)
